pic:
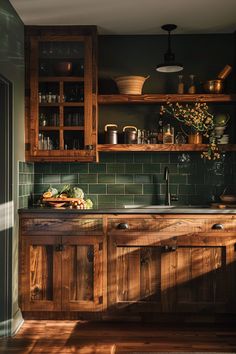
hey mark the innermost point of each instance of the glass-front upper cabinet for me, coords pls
(62, 100)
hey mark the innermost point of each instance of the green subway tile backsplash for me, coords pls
(60, 168)
(133, 168)
(134, 188)
(134, 178)
(97, 167)
(54, 178)
(128, 178)
(26, 184)
(88, 178)
(145, 178)
(77, 167)
(103, 199)
(115, 189)
(106, 178)
(98, 188)
(116, 168)
(153, 189)
(151, 168)
(69, 178)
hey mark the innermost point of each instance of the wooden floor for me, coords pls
(85, 338)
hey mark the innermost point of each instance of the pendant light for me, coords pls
(169, 65)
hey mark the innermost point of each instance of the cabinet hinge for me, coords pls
(100, 300)
(27, 146)
(100, 247)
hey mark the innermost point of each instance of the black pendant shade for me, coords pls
(169, 65)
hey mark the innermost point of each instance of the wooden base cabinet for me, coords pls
(148, 267)
(61, 273)
(40, 274)
(165, 265)
(82, 274)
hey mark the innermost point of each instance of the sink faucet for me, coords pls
(167, 179)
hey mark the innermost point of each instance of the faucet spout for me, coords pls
(167, 179)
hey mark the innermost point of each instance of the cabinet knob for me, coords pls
(217, 227)
(122, 226)
(60, 248)
(167, 248)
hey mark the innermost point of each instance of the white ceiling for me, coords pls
(132, 16)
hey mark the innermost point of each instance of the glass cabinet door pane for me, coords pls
(60, 58)
(61, 95)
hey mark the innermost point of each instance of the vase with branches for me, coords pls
(200, 121)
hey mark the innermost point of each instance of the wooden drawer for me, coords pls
(222, 223)
(62, 226)
(175, 226)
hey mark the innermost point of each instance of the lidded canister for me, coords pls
(130, 134)
(111, 133)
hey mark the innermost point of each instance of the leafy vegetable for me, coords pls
(54, 191)
(78, 192)
(88, 203)
(65, 189)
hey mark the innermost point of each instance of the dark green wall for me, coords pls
(12, 67)
(129, 178)
(202, 55)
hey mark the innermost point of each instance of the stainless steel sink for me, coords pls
(141, 206)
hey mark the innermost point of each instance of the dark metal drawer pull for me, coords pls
(60, 248)
(217, 227)
(167, 248)
(122, 226)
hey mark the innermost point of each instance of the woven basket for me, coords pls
(131, 85)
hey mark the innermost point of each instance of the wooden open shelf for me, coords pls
(73, 127)
(160, 147)
(67, 127)
(49, 128)
(61, 78)
(64, 104)
(163, 98)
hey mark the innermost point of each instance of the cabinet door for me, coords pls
(134, 275)
(199, 279)
(82, 273)
(40, 273)
(145, 274)
(62, 103)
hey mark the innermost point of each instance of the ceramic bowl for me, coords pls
(214, 86)
(228, 198)
(63, 68)
(132, 85)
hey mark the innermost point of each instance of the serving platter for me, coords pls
(59, 202)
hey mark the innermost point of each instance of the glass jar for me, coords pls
(180, 85)
(168, 134)
(180, 138)
(192, 87)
